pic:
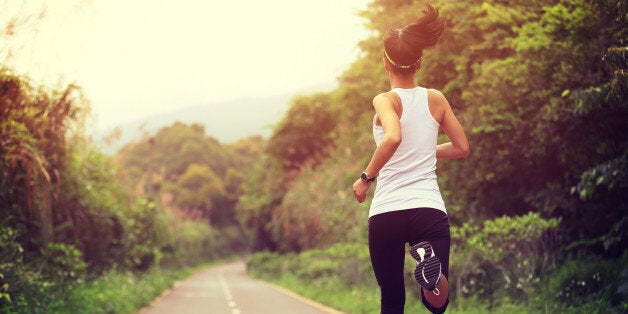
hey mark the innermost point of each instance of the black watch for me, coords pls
(365, 177)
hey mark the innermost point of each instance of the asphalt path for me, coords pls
(227, 289)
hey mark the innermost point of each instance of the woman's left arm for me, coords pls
(384, 105)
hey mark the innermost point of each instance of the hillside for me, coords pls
(226, 121)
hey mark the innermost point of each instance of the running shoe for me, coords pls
(428, 268)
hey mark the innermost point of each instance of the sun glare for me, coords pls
(135, 58)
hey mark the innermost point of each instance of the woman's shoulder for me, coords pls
(437, 104)
(434, 93)
(436, 98)
(389, 95)
(388, 101)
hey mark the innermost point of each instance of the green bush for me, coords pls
(269, 265)
(11, 264)
(579, 284)
(189, 243)
(506, 256)
(29, 287)
(64, 264)
(347, 262)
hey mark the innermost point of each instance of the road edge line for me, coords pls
(303, 299)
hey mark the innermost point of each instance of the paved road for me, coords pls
(226, 289)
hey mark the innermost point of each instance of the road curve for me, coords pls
(227, 289)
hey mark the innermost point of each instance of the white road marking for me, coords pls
(229, 296)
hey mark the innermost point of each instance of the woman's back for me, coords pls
(408, 180)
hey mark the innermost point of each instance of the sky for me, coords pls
(135, 58)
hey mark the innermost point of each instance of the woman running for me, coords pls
(408, 206)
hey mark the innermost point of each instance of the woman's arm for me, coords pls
(459, 145)
(389, 117)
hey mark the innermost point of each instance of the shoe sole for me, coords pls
(428, 270)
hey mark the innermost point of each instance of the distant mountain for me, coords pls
(227, 122)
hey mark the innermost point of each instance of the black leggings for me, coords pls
(388, 234)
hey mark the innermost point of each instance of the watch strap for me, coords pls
(365, 177)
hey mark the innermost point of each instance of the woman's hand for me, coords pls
(359, 190)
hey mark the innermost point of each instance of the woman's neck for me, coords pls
(401, 81)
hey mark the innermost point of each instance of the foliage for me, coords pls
(112, 292)
(322, 274)
(170, 151)
(303, 136)
(340, 276)
(612, 173)
(198, 189)
(525, 109)
(318, 210)
(576, 284)
(298, 204)
(506, 253)
(27, 286)
(11, 263)
(66, 216)
(191, 173)
(191, 243)
(35, 126)
(316, 265)
(262, 192)
(65, 262)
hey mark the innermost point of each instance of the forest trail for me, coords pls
(227, 289)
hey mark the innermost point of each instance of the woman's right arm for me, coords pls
(458, 147)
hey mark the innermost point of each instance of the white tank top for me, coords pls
(408, 180)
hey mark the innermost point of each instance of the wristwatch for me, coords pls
(365, 177)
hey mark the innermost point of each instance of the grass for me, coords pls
(340, 277)
(362, 299)
(113, 292)
(125, 292)
(121, 292)
(333, 293)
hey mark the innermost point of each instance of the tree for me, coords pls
(198, 191)
(303, 135)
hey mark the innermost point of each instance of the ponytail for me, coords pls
(403, 47)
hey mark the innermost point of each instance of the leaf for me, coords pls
(565, 93)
